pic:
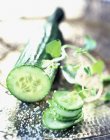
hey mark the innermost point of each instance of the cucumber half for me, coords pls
(28, 83)
(68, 100)
(62, 112)
(51, 122)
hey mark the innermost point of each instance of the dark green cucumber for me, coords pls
(68, 100)
(62, 112)
(33, 55)
(29, 81)
(50, 121)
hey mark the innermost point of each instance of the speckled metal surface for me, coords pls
(26, 122)
(29, 124)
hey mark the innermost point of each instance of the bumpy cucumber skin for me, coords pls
(60, 94)
(63, 112)
(32, 98)
(34, 54)
(48, 115)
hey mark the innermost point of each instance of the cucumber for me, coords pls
(50, 121)
(60, 115)
(33, 55)
(67, 119)
(28, 84)
(62, 112)
(29, 81)
(68, 100)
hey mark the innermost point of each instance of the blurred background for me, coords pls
(21, 20)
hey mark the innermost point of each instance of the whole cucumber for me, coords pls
(29, 80)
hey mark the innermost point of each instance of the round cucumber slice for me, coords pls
(62, 112)
(28, 83)
(68, 100)
(51, 122)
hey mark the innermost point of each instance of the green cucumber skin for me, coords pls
(33, 56)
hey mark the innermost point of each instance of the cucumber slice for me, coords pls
(51, 122)
(68, 100)
(67, 119)
(28, 83)
(62, 112)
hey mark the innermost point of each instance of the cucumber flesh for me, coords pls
(68, 100)
(51, 122)
(28, 83)
(62, 112)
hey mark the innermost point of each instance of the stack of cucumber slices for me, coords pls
(65, 110)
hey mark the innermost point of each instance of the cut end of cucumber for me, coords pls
(28, 83)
